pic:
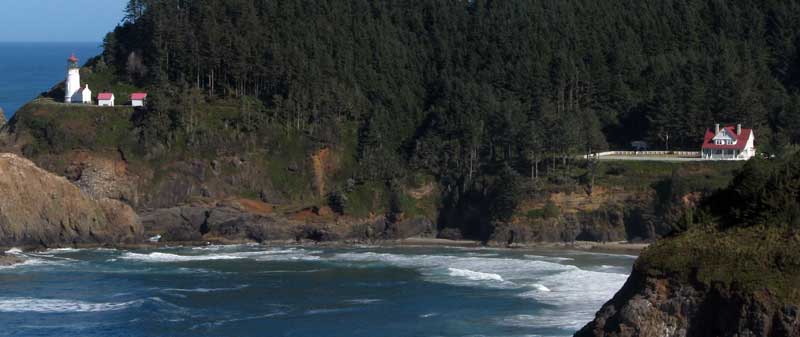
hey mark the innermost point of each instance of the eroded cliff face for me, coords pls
(38, 208)
(648, 306)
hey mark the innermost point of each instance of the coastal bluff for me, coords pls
(730, 268)
(40, 209)
(653, 306)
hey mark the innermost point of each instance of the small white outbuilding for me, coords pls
(105, 99)
(84, 95)
(138, 98)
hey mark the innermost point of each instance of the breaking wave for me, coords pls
(167, 257)
(259, 255)
(38, 305)
(474, 275)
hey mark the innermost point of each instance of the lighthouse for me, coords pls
(74, 92)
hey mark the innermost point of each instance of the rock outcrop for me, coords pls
(649, 306)
(220, 221)
(38, 208)
(250, 220)
(2, 117)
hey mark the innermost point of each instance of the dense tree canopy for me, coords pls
(468, 89)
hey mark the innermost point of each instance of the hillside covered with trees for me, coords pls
(488, 99)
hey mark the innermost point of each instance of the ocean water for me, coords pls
(251, 290)
(28, 69)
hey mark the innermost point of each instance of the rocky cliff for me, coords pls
(731, 268)
(654, 303)
(39, 208)
(665, 307)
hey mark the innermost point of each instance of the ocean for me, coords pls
(28, 69)
(252, 290)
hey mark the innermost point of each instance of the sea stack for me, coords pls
(2, 117)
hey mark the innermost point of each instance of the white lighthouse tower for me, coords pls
(73, 79)
(74, 92)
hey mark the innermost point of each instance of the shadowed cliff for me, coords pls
(733, 269)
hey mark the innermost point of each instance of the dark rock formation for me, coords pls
(223, 220)
(41, 209)
(649, 306)
(383, 229)
(8, 260)
(231, 220)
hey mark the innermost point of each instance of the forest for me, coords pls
(480, 94)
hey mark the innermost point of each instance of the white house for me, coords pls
(105, 99)
(138, 98)
(729, 143)
(73, 91)
(83, 95)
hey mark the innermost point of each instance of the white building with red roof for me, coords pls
(728, 143)
(138, 98)
(105, 99)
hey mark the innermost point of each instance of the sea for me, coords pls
(29, 68)
(256, 290)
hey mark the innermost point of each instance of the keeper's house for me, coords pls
(728, 143)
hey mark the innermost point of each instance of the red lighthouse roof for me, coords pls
(72, 58)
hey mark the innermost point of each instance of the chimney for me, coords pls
(738, 129)
(716, 128)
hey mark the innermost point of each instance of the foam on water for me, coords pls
(459, 270)
(36, 261)
(167, 257)
(205, 290)
(39, 305)
(474, 275)
(540, 287)
(216, 253)
(575, 293)
(14, 251)
(549, 258)
(363, 301)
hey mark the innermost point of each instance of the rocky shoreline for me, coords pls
(10, 260)
(616, 248)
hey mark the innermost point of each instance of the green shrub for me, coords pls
(337, 201)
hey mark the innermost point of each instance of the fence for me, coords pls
(673, 154)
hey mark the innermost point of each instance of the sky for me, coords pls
(59, 20)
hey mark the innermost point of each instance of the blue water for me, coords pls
(250, 290)
(28, 69)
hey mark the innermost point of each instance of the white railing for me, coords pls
(689, 154)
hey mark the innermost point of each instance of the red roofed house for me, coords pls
(105, 99)
(138, 98)
(729, 143)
